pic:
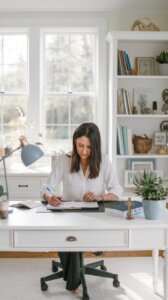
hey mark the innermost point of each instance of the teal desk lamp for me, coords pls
(29, 154)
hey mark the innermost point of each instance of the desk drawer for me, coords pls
(23, 187)
(148, 238)
(4, 240)
(70, 239)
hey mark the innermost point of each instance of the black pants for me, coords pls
(71, 263)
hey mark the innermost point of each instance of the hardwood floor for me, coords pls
(8, 254)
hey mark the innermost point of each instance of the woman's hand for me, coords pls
(89, 197)
(54, 200)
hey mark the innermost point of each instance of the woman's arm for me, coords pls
(114, 189)
(89, 197)
(48, 191)
(111, 183)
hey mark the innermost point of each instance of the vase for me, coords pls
(163, 69)
(153, 209)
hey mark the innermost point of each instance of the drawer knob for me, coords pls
(23, 185)
(71, 238)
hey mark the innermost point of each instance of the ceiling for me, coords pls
(80, 5)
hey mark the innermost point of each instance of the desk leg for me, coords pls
(165, 274)
(155, 256)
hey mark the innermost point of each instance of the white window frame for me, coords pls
(34, 27)
(15, 31)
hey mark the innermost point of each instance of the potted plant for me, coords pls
(162, 59)
(153, 191)
(2, 193)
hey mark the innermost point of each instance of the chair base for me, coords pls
(89, 269)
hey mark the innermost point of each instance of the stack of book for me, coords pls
(124, 140)
(120, 208)
(124, 66)
(124, 105)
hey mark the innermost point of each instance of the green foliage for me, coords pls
(162, 58)
(150, 187)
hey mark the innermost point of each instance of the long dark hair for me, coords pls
(91, 131)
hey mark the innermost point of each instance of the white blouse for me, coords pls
(75, 185)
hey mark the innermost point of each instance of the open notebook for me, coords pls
(72, 205)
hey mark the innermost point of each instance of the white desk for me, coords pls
(26, 230)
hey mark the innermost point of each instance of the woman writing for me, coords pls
(86, 175)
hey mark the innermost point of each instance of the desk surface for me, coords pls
(30, 219)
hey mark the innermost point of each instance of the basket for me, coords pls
(142, 144)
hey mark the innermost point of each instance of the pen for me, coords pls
(51, 190)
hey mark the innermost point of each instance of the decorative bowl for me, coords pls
(142, 144)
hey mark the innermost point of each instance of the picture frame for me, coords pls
(129, 176)
(141, 164)
(143, 99)
(145, 66)
(161, 138)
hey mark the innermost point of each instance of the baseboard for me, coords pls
(8, 254)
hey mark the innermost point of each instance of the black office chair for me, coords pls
(89, 269)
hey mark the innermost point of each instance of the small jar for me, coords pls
(3, 208)
(134, 110)
(154, 108)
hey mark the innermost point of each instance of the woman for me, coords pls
(85, 175)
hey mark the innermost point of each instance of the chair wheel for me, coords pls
(44, 286)
(103, 268)
(116, 283)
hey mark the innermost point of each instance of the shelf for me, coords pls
(142, 116)
(138, 77)
(142, 156)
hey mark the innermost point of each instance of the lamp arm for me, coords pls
(8, 154)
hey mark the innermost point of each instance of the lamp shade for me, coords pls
(30, 153)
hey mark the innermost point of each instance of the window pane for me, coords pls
(0, 50)
(70, 67)
(56, 132)
(81, 109)
(13, 80)
(82, 48)
(57, 109)
(12, 109)
(82, 78)
(14, 48)
(57, 56)
(57, 78)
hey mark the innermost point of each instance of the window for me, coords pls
(13, 86)
(70, 64)
(51, 80)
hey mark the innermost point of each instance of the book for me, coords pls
(125, 139)
(130, 143)
(74, 205)
(120, 208)
(120, 140)
(26, 204)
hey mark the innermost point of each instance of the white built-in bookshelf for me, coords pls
(136, 45)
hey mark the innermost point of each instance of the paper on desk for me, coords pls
(73, 205)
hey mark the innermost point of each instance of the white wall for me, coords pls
(124, 20)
